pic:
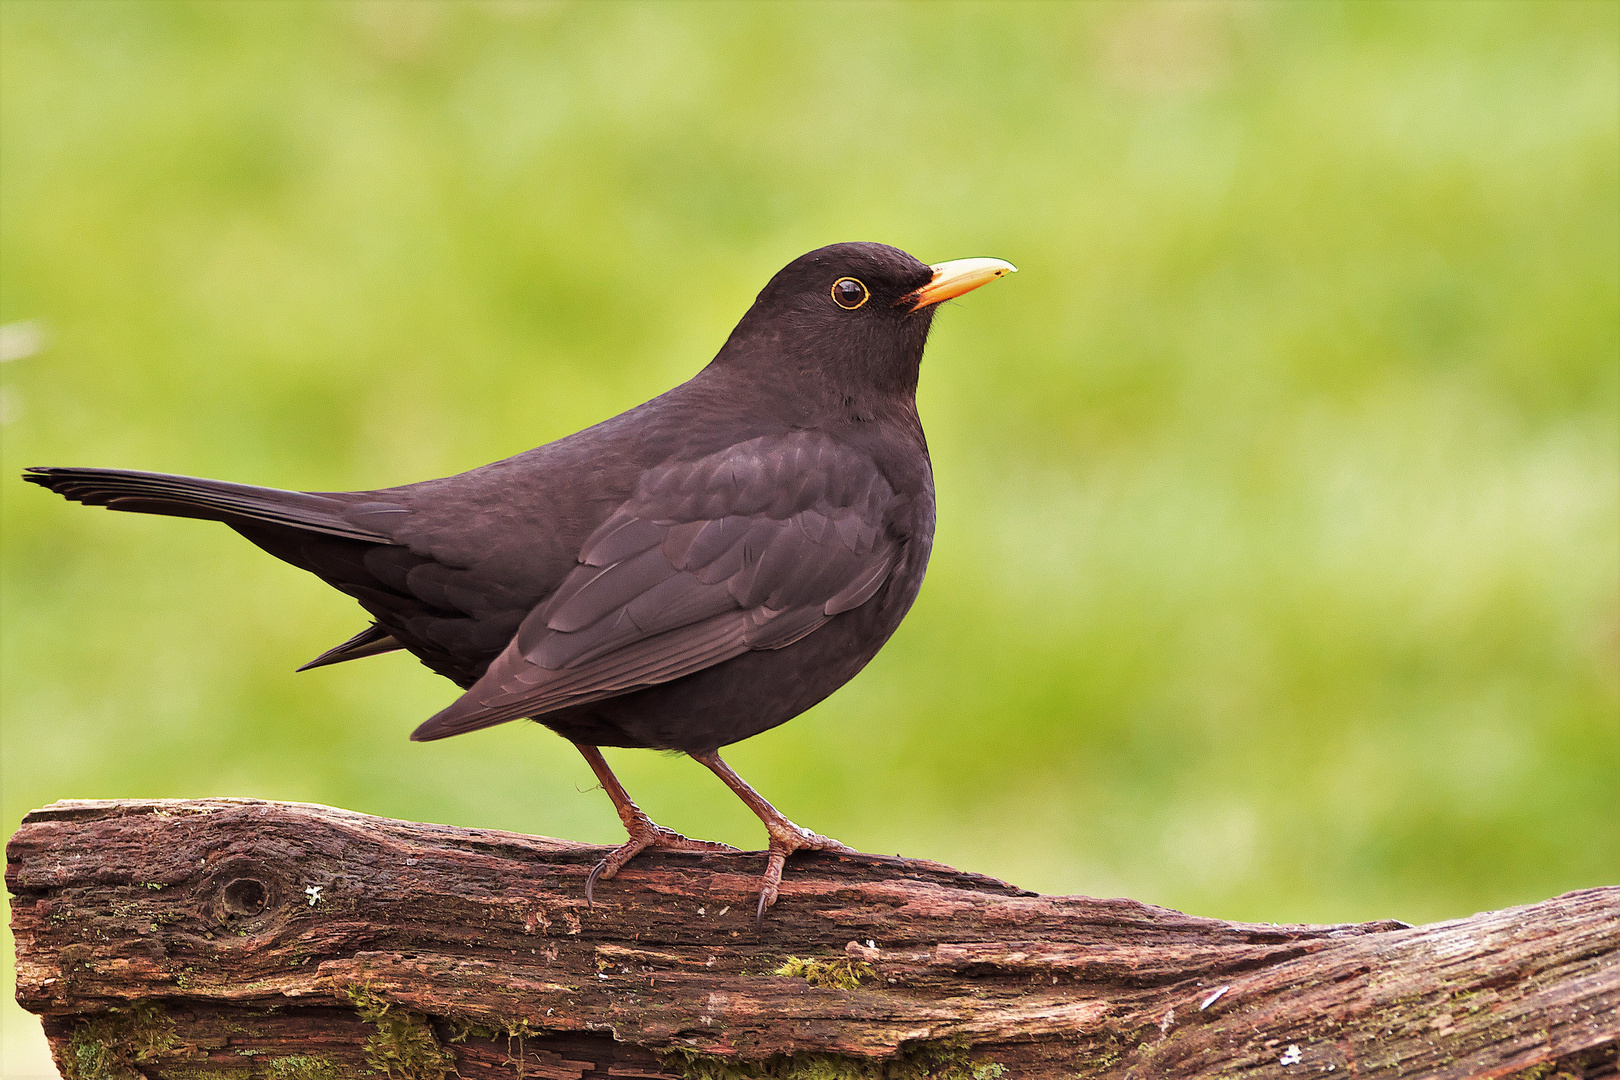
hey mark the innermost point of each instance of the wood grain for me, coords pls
(237, 938)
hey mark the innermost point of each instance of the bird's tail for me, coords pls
(372, 641)
(214, 500)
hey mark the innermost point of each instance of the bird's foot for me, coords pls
(787, 838)
(644, 834)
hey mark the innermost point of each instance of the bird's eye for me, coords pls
(848, 293)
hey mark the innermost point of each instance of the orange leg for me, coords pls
(644, 833)
(786, 837)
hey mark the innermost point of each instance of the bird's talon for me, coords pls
(644, 834)
(771, 885)
(590, 883)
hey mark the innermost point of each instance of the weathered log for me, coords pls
(245, 939)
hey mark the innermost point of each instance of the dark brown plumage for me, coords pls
(683, 576)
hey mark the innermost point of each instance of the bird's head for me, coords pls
(856, 315)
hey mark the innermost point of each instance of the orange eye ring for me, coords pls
(841, 292)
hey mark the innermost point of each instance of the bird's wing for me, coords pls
(752, 547)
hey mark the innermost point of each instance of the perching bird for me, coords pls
(683, 576)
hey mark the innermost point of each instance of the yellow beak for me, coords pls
(957, 277)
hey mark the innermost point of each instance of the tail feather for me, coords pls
(372, 641)
(216, 500)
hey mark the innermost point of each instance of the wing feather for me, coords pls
(750, 548)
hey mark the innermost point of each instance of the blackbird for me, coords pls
(681, 577)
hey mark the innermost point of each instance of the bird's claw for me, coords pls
(645, 834)
(787, 838)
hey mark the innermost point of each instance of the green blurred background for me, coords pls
(1278, 566)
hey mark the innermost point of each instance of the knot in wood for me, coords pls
(241, 898)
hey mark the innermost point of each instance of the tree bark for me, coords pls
(177, 940)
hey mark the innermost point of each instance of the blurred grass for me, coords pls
(1278, 568)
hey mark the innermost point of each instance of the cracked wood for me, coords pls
(253, 924)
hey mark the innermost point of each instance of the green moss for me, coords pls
(1536, 1072)
(462, 1029)
(404, 1046)
(111, 1047)
(840, 974)
(312, 1067)
(931, 1061)
(1098, 1063)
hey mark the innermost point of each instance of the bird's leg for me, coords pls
(644, 832)
(786, 837)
